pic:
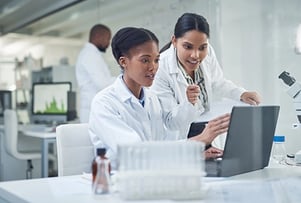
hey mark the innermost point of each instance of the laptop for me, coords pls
(248, 143)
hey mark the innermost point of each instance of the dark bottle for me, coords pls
(100, 172)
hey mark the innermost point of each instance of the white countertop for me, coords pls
(268, 185)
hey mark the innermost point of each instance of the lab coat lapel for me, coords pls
(173, 66)
(182, 81)
(143, 114)
(153, 109)
(178, 79)
(136, 108)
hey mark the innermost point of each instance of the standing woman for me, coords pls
(126, 111)
(189, 74)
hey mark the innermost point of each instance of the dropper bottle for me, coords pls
(101, 173)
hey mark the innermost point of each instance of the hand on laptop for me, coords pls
(214, 128)
(213, 153)
(251, 98)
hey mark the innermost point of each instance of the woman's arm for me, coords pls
(214, 128)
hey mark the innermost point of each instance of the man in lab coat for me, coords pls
(92, 72)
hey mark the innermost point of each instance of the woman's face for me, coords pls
(141, 65)
(191, 49)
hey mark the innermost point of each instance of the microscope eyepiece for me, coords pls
(287, 79)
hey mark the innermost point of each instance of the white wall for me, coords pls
(258, 40)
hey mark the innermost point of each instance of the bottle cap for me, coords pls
(279, 138)
(101, 151)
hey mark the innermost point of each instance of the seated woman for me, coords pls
(126, 111)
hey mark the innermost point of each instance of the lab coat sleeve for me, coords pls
(177, 115)
(106, 127)
(219, 84)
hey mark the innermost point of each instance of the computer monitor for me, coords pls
(50, 102)
(5, 102)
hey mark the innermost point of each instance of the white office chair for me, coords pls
(11, 141)
(75, 150)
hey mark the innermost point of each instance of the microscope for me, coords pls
(294, 91)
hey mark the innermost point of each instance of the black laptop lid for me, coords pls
(249, 139)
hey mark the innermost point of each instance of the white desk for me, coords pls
(267, 185)
(46, 139)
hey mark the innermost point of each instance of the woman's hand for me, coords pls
(193, 93)
(251, 98)
(213, 153)
(214, 128)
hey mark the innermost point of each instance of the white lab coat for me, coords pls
(170, 87)
(92, 75)
(117, 117)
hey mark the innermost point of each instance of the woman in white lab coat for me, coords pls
(126, 111)
(189, 74)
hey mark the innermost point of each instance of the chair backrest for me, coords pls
(75, 150)
(11, 132)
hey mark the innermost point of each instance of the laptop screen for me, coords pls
(249, 139)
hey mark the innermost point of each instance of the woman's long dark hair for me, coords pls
(188, 22)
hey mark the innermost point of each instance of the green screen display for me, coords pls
(50, 98)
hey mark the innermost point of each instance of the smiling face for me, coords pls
(191, 49)
(140, 66)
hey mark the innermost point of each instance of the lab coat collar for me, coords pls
(172, 60)
(173, 65)
(124, 93)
